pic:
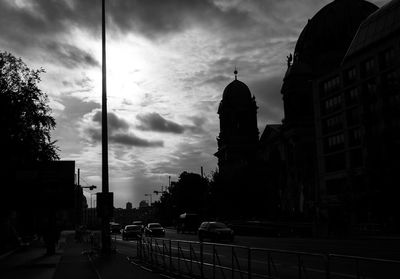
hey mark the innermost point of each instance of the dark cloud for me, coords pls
(70, 56)
(118, 129)
(75, 107)
(132, 140)
(155, 122)
(114, 122)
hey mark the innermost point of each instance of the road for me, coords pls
(282, 264)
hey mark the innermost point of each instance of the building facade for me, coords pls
(357, 120)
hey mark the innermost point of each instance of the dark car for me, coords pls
(115, 227)
(215, 231)
(132, 232)
(154, 229)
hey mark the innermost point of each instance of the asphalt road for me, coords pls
(186, 252)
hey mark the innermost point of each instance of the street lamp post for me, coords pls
(105, 201)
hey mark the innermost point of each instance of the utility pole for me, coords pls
(105, 201)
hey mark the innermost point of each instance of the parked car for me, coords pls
(139, 223)
(132, 232)
(154, 229)
(115, 227)
(215, 231)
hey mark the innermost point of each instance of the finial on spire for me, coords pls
(235, 72)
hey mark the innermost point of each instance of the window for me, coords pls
(331, 85)
(333, 123)
(351, 75)
(369, 67)
(332, 104)
(353, 96)
(391, 82)
(388, 57)
(355, 136)
(334, 143)
(371, 87)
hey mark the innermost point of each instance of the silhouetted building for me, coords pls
(292, 152)
(238, 137)
(358, 128)
(128, 205)
(334, 160)
(143, 204)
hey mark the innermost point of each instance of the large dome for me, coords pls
(236, 92)
(327, 36)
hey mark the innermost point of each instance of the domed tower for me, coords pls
(238, 137)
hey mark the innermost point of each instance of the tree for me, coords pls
(24, 114)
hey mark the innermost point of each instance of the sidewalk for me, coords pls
(30, 262)
(70, 261)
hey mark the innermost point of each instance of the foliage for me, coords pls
(188, 194)
(24, 113)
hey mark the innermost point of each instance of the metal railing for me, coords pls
(218, 260)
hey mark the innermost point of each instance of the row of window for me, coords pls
(368, 67)
(331, 85)
(337, 142)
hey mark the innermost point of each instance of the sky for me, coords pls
(168, 62)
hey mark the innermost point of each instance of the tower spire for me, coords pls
(235, 72)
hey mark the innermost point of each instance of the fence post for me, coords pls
(201, 260)
(191, 259)
(249, 263)
(170, 255)
(179, 258)
(213, 261)
(299, 265)
(328, 272)
(233, 262)
(269, 264)
(151, 251)
(163, 253)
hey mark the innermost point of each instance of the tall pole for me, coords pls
(106, 240)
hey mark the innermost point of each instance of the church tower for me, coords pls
(238, 137)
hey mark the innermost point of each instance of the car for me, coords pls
(115, 228)
(154, 229)
(215, 231)
(139, 223)
(132, 232)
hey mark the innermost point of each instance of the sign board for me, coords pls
(46, 184)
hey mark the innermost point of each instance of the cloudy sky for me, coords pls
(168, 62)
